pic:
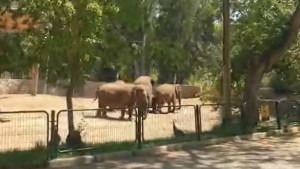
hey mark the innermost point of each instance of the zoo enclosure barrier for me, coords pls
(160, 124)
(101, 131)
(24, 130)
(279, 111)
(55, 122)
(48, 127)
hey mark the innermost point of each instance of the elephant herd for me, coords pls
(141, 94)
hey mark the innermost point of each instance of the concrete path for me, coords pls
(269, 153)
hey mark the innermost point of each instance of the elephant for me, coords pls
(167, 93)
(120, 82)
(120, 95)
(148, 83)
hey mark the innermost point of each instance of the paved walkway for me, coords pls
(269, 153)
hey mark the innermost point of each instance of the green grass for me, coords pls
(89, 149)
(122, 146)
(232, 129)
(16, 159)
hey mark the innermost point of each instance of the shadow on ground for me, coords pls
(275, 152)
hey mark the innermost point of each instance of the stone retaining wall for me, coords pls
(22, 86)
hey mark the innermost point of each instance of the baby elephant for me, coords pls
(167, 93)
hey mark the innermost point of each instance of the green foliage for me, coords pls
(259, 25)
(287, 77)
(82, 36)
(186, 36)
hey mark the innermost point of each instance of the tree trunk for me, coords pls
(34, 78)
(252, 81)
(143, 57)
(74, 138)
(46, 76)
(137, 72)
(226, 63)
(69, 96)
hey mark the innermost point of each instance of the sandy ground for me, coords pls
(24, 130)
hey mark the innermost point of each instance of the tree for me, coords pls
(139, 17)
(226, 62)
(70, 41)
(270, 33)
(185, 38)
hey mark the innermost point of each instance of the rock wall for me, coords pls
(22, 86)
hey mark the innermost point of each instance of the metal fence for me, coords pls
(211, 115)
(160, 125)
(97, 130)
(288, 113)
(23, 130)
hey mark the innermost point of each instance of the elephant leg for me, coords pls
(98, 114)
(122, 113)
(104, 112)
(174, 104)
(160, 105)
(169, 106)
(154, 104)
(130, 110)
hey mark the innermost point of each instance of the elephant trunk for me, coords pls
(178, 95)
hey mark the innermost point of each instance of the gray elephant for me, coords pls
(148, 83)
(167, 93)
(120, 95)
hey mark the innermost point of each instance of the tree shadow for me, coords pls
(276, 152)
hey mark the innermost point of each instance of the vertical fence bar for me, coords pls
(142, 129)
(278, 117)
(199, 122)
(140, 118)
(53, 133)
(136, 125)
(52, 126)
(48, 128)
(196, 121)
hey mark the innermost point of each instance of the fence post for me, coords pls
(54, 137)
(139, 128)
(196, 121)
(278, 117)
(199, 122)
(136, 125)
(142, 129)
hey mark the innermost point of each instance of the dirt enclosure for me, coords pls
(24, 130)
